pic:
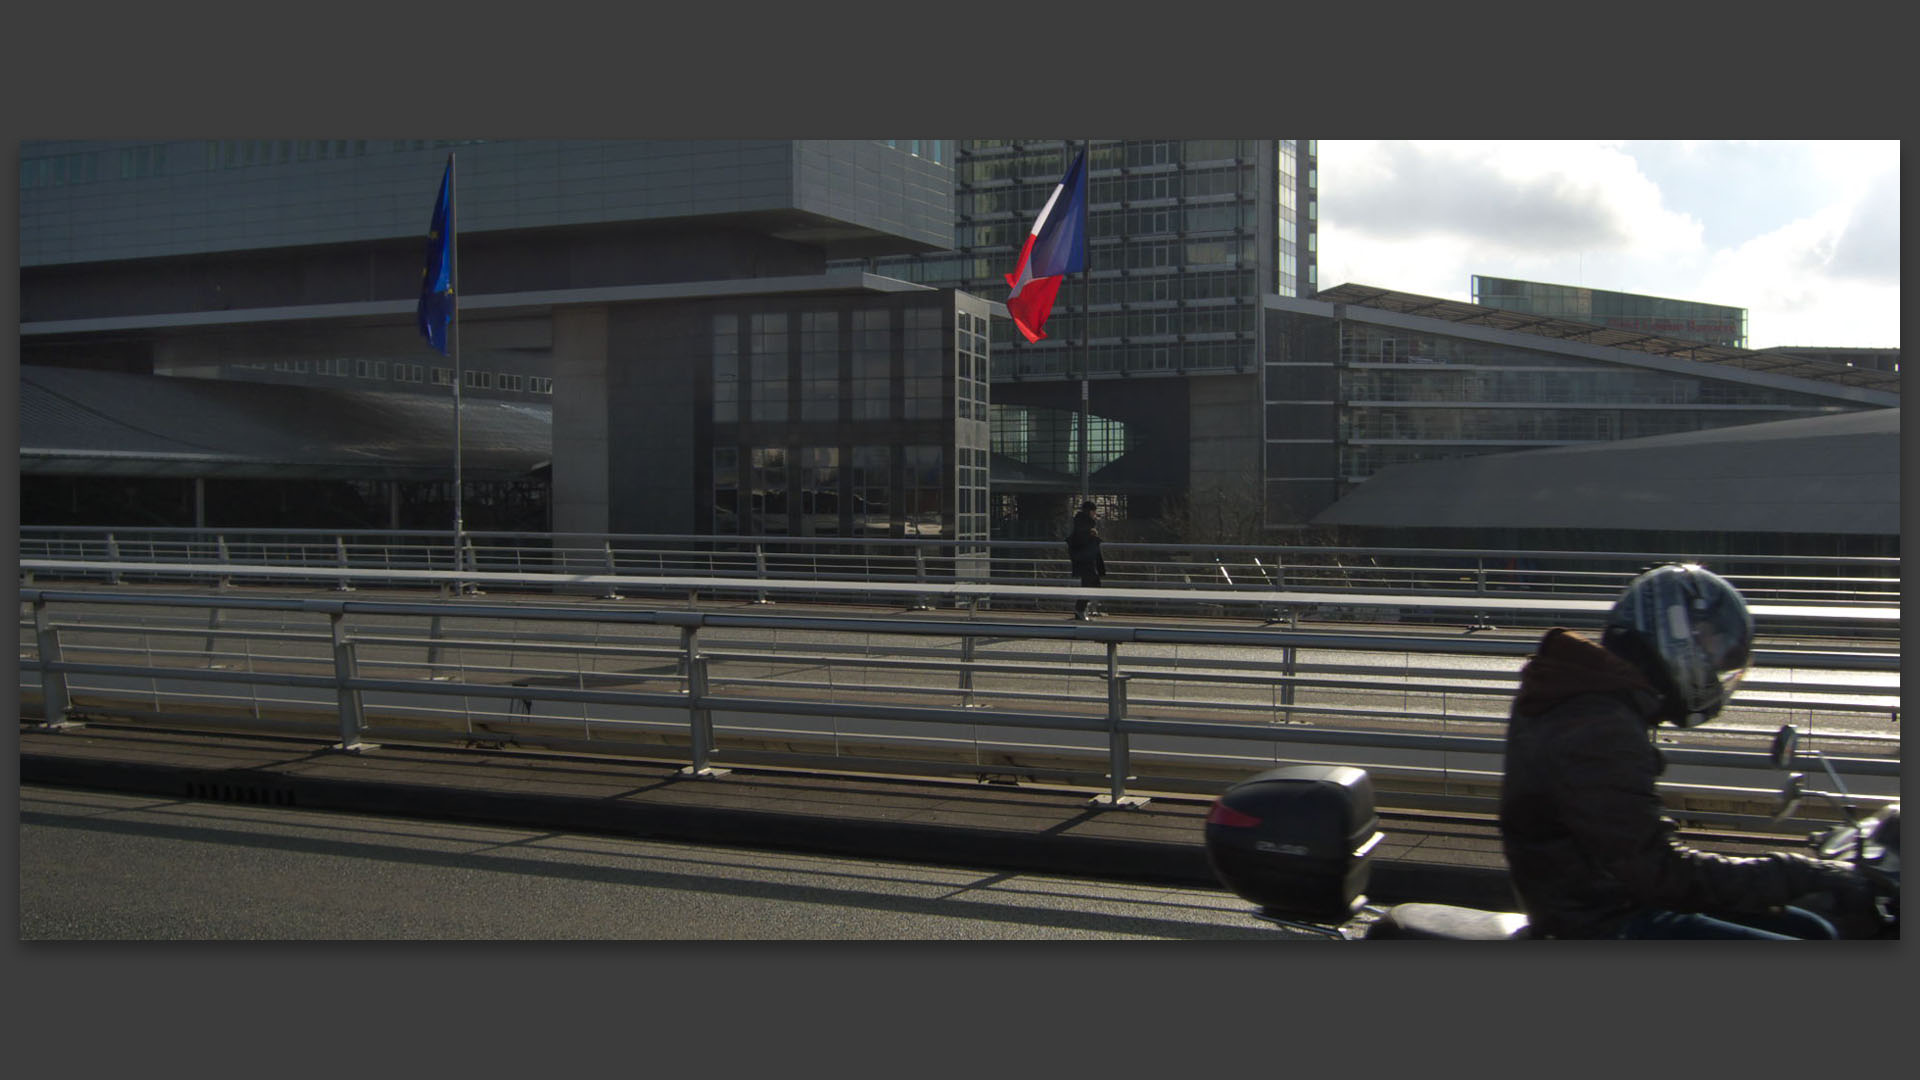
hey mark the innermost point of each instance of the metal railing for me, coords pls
(1126, 708)
(1199, 569)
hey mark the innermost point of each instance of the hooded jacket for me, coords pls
(1580, 820)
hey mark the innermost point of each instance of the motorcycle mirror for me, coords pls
(1784, 742)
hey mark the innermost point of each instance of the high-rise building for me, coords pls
(1185, 239)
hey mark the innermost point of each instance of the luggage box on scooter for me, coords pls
(1296, 840)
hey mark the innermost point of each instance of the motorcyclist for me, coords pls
(1589, 852)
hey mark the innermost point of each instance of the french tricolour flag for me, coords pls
(1056, 247)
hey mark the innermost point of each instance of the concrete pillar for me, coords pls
(580, 421)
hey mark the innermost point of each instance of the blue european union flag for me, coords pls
(436, 276)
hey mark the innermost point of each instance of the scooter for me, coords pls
(1298, 841)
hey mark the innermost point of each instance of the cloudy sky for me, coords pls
(1804, 235)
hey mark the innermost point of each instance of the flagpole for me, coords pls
(1086, 319)
(453, 331)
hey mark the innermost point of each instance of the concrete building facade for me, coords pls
(593, 279)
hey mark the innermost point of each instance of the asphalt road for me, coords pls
(97, 866)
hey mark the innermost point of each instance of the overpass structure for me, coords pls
(924, 684)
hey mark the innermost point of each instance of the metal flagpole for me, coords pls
(1086, 314)
(453, 330)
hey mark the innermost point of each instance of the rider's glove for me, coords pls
(1849, 899)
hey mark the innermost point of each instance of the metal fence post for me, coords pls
(113, 556)
(920, 603)
(213, 624)
(1118, 751)
(760, 571)
(224, 581)
(1288, 668)
(966, 672)
(55, 704)
(699, 719)
(340, 559)
(1119, 756)
(613, 569)
(345, 669)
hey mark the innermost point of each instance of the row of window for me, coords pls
(401, 372)
(1534, 425)
(131, 163)
(1050, 438)
(1598, 386)
(938, 151)
(140, 162)
(804, 490)
(1123, 224)
(1064, 360)
(766, 384)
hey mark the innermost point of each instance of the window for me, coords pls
(726, 490)
(726, 369)
(870, 488)
(872, 365)
(767, 369)
(925, 386)
(820, 491)
(820, 366)
(767, 492)
(923, 490)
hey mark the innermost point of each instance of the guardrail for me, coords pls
(1828, 580)
(1124, 707)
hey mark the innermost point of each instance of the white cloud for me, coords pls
(1795, 292)
(1525, 199)
(1811, 230)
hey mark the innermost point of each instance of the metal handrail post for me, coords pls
(1119, 754)
(1289, 657)
(345, 670)
(920, 603)
(213, 624)
(340, 559)
(760, 571)
(113, 555)
(612, 593)
(699, 718)
(966, 671)
(224, 581)
(55, 704)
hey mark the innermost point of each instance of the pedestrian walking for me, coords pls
(1083, 555)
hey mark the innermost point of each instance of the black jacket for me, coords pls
(1083, 546)
(1586, 843)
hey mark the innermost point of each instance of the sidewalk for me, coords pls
(1015, 828)
(1032, 828)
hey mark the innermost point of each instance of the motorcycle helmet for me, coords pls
(1695, 628)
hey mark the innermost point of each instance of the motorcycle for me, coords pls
(1297, 841)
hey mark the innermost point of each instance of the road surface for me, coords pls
(97, 866)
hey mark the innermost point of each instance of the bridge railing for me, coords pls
(1123, 708)
(1413, 571)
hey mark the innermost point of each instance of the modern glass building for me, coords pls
(1359, 379)
(1682, 320)
(1185, 238)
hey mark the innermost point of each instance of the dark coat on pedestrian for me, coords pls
(1586, 844)
(1083, 547)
